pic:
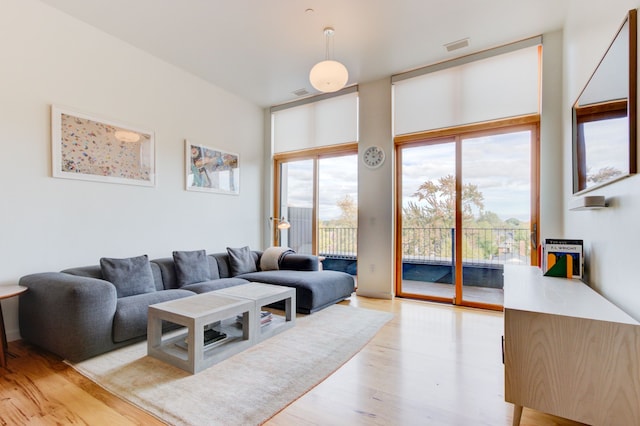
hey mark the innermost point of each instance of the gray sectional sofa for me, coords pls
(85, 311)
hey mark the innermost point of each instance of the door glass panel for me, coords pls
(496, 208)
(296, 205)
(338, 211)
(428, 219)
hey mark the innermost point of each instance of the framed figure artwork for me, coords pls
(91, 148)
(211, 169)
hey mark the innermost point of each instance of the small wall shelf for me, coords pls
(588, 202)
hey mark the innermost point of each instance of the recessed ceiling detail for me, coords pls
(300, 92)
(458, 44)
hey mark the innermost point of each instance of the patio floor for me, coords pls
(470, 293)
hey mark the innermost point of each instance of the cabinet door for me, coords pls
(581, 369)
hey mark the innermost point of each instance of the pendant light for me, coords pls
(127, 136)
(328, 76)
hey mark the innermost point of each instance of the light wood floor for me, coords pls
(431, 365)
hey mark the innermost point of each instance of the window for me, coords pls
(467, 173)
(317, 192)
(316, 174)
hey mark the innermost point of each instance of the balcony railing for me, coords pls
(435, 245)
(338, 242)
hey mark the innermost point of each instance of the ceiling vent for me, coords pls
(300, 92)
(455, 45)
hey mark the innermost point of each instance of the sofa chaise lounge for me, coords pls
(85, 311)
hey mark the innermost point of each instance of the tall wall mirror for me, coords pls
(604, 116)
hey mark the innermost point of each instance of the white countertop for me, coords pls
(526, 289)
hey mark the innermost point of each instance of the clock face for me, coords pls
(373, 157)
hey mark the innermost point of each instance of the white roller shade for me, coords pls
(327, 122)
(490, 88)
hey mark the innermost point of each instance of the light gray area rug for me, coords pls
(248, 388)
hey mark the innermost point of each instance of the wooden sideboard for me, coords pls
(568, 351)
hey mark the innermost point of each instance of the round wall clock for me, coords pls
(373, 157)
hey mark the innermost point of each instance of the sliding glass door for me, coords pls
(467, 205)
(496, 211)
(297, 205)
(428, 219)
(317, 193)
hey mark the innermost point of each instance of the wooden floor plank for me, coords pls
(431, 364)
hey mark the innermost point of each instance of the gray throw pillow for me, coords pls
(191, 267)
(241, 260)
(130, 276)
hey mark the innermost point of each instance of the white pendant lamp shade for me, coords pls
(127, 136)
(328, 76)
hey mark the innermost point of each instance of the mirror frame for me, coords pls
(608, 110)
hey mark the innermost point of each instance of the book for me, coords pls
(265, 318)
(563, 258)
(211, 337)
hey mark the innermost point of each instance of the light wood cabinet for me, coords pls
(568, 351)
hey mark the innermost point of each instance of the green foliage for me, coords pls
(427, 223)
(436, 206)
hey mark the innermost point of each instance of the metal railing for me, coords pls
(338, 242)
(436, 245)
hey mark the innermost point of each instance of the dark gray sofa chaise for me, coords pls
(77, 313)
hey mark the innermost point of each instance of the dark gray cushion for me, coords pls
(191, 267)
(315, 290)
(241, 260)
(130, 319)
(300, 262)
(212, 285)
(130, 276)
(95, 271)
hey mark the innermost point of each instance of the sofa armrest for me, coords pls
(300, 262)
(68, 315)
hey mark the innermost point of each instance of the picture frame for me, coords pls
(209, 169)
(90, 148)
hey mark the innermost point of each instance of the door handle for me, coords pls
(534, 236)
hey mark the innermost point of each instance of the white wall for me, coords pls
(610, 235)
(48, 224)
(551, 141)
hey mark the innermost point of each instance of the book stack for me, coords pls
(562, 258)
(212, 336)
(265, 318)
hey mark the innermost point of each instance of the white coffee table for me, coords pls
(187, 350)
(262, 295)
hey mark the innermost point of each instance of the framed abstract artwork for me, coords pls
(211, 169)
(95, 149)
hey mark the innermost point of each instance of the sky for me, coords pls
(607, 145)
(338, 176)
(499, 165)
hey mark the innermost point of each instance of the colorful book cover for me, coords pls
(563, 258)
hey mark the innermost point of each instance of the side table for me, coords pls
(7, 291)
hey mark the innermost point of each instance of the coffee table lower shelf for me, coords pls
(195, 313)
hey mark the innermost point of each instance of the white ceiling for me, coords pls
(262, 50)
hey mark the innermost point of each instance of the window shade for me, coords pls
(326, 122)
(490, 88)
